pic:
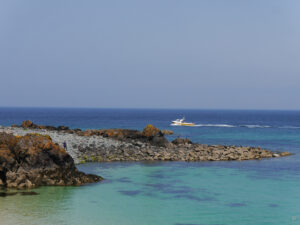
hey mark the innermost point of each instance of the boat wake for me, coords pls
(245, 126)
(213, 125)
(256, 126)
(181, 122)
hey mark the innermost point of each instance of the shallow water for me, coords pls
(166, 193)
(172, 193)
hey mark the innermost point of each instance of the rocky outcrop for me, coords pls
(133, 145)
(34, 160)
(150, 134)
(182, 141)
(167, 132)
(27, 124)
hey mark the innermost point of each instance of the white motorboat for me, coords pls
(181, 122)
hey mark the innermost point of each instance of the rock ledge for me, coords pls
(34, 160)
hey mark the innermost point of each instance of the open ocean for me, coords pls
(254, 192)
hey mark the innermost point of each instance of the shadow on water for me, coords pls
(188, 224)
(195, 224)
(123, 180)
(236, 205)
(195, 198)
(5, 194)
(130, 193)
(272, 205)
(170, 191)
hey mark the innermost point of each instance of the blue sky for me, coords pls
(150, 54)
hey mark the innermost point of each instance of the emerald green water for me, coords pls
(169, 193)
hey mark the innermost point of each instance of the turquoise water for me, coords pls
(166, 193)
(172, 193)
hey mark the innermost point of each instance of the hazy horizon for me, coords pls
(163, 55)
(145, 108)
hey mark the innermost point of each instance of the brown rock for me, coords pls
(182, 141)
(27, 124)
(167, 132)
(150, 131)
(285, 154)
(34, 160)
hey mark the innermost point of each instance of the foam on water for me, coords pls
(214, 125)
(247, 126)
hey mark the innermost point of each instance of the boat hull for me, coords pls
(183, 124)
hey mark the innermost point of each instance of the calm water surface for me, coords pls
(172, 193)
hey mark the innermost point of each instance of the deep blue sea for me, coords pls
(172, 193)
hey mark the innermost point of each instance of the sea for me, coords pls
(255, 192)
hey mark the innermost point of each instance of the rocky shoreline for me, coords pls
(34, 160)
(132, 145)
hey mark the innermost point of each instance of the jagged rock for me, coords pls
(167, 132)
(285, 154)
(34, 160)
(151, 131)
(182, 141)
(155, 136)
(62, 128)
(27, 124)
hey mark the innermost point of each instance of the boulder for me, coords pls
(160, 141)
(167, 132)
(151, 131)
(27, 124)
(182, 141)
(62, 128)
(154, 136)
(120, 134)
(285, 154)
(34, 160)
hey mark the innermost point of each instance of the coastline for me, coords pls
(131, 145)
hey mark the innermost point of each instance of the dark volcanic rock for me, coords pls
(34, 160)
(182, 141)
(155, 136)
(62, 128)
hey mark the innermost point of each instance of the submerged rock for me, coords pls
(34, 160)
(27, 193)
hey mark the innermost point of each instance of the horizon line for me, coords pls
(144, 108)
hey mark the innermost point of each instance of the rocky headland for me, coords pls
(34, 160)
(107, 145)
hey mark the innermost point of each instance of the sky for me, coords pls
(205, 54)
